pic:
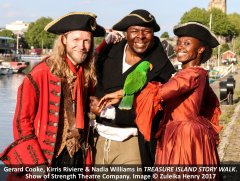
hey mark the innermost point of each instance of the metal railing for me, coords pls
(30, 57)
(231, 68)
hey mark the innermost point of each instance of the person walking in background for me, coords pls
(119, 139)
(188, 135)
(51, 121)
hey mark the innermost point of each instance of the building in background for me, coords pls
(229, 57)
(17, 27)
(7, 45)
(220, 4)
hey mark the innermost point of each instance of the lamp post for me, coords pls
(17, 43)
(18, 37)
(210, 22)
(218, 56)
(233, 42)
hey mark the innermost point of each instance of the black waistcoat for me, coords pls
(110, 76)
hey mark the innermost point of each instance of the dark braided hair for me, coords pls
(207, 53)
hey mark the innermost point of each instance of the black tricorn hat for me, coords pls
(85, 21)
(139, 17)
(196, 30)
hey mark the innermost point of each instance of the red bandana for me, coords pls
(77, 94)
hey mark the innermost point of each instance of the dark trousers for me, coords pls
(64, 160)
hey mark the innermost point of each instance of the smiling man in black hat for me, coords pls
(50, 121)
(119, 137)
(189, 132)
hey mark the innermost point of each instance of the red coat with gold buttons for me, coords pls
(36, 119)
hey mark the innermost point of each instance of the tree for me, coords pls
(235, 20)
(221, 24)
(196, 14)
(23, 43)
(7, 33)
(237, 45)
(224, 47)
(164, 35)
(37, 37)
(97, 41)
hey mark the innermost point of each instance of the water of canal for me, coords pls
(8, 95)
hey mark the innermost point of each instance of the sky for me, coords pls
(109, 12)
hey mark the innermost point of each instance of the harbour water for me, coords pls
(8, 95)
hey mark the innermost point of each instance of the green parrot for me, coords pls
(134, 82)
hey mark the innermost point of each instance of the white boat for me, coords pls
(18, 67)
(5, 70)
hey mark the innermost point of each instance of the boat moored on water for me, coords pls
(18, 67)
(5, 70)
(12, 67)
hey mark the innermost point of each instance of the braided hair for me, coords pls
(207, 53)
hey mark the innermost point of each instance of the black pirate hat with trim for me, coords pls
(139, 17)
(196, 30)
(84, 21)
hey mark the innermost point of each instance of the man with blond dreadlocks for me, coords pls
(51, 120)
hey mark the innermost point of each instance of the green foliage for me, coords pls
(196, 14)
(235, 20)
(224, 47)
(226, 115)
(97, 41)
(221, 24)
(215, 50)
(23, 44)
(236, 43)
(164, 35)
(37, 37)
(7, 33)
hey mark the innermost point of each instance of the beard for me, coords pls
(78, 58)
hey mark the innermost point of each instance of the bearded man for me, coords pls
(51, 120)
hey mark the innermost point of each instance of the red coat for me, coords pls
(36, 118)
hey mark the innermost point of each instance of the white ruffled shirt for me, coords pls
(114, 133)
